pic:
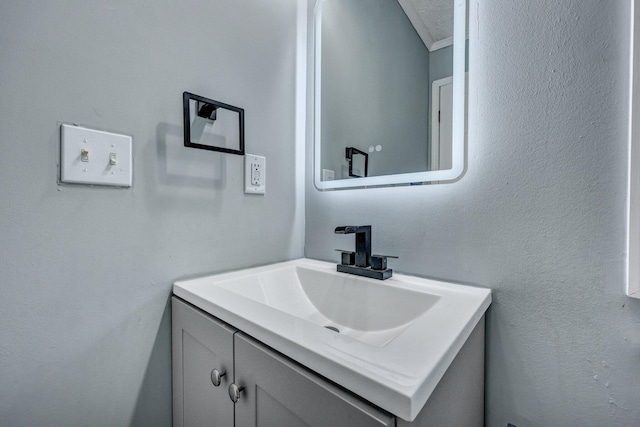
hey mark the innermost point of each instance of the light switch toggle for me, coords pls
(112, 159)
(84, 155)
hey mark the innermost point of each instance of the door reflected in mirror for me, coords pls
(389, 82)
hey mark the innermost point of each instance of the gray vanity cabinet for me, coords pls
(201, 345)
(280, 392)
(276, 391)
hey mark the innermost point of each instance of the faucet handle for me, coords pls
(379, 262)
(348, 257)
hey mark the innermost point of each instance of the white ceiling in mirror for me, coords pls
(432, 20)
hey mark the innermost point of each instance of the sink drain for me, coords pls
(333, 328)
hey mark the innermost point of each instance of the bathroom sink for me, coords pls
(353, 306)
(388, 341)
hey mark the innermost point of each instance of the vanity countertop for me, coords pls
(396, 337)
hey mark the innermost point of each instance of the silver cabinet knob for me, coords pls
(234, 392)
(216, 377)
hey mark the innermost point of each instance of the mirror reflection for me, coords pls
(384, 87)
(358, 162)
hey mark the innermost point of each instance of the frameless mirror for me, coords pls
(389, 83)
(212, 125)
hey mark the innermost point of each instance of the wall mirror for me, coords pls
(212, 125)
(389, 81)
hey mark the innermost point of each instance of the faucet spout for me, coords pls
(363, 242)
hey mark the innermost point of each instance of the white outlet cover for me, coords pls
(87, 156)
(254, 174)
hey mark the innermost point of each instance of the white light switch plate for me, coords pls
(89, 156)
(254, 174)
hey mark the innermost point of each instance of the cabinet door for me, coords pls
(200, 345)
(280, 393)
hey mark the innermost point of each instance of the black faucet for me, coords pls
(363, 259)
(363, 242)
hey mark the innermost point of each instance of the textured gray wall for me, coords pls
(539, 216)
(86, 272)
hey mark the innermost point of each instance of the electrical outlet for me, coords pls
(328, 175)
(254, 174)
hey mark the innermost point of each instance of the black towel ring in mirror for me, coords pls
(349, 155)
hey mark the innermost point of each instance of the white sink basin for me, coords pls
(364, 309)
(396, 337)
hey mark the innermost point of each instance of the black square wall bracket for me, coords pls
(200, 112)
